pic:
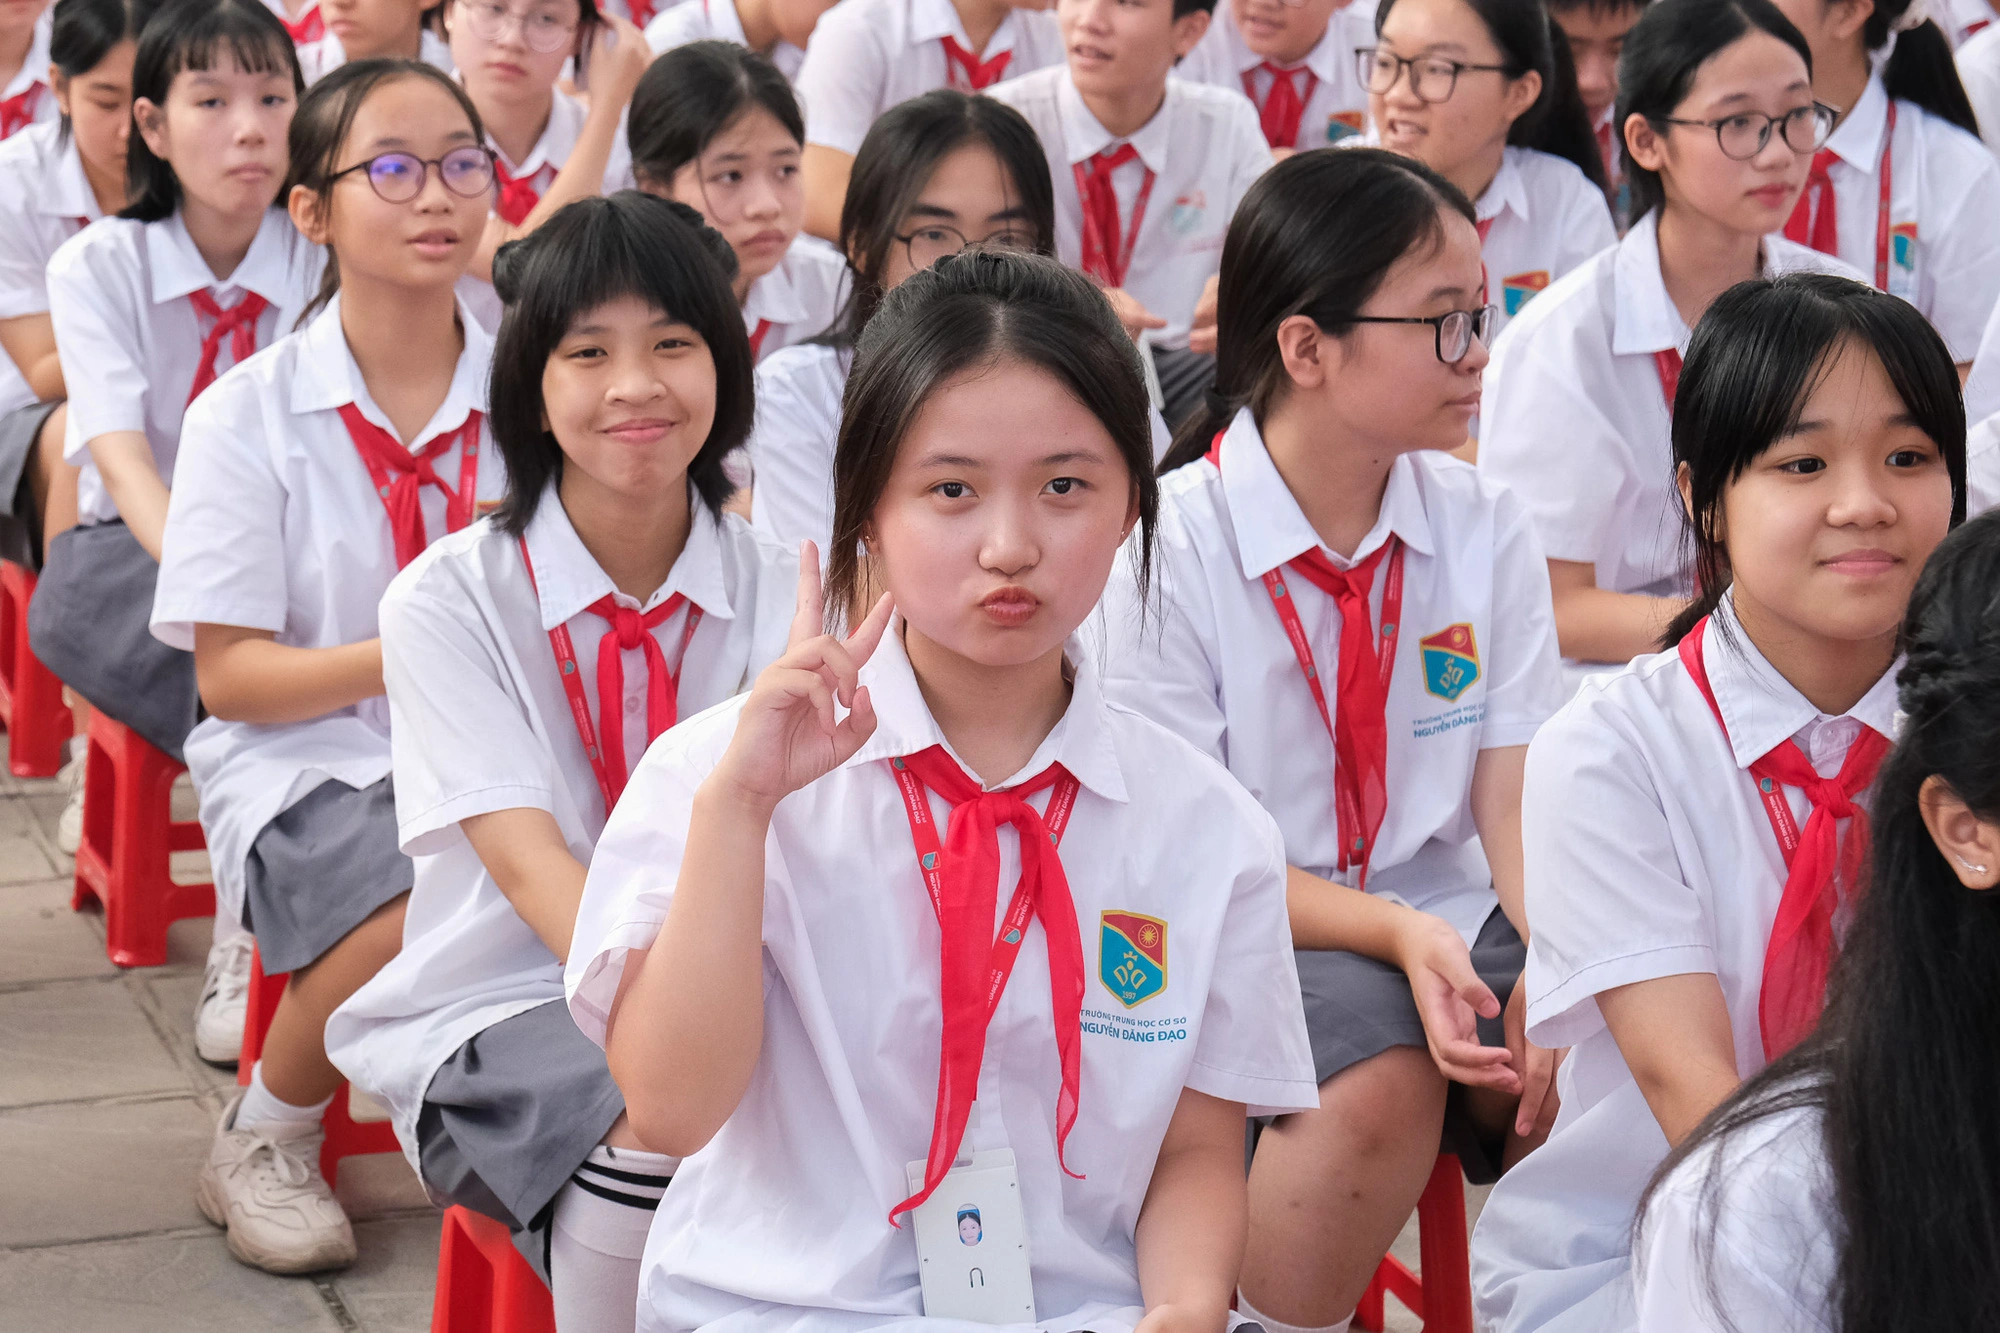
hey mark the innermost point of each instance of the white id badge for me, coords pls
(972, 1243)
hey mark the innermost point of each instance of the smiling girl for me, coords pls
(1694, 824)
(311, 477)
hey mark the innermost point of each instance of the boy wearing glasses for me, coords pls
(1294, 60)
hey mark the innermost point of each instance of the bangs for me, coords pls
(228, 33)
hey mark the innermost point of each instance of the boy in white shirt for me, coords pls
(1295, 62)
(775, 29)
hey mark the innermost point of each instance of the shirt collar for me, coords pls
(558, 139)
(568, 578)
(1270, 527)
(932, 19)
(1857, 140)
(1322, 60)
(1645, 319)
(1760, 708)
(773, 297)
(1081, 741)
(724, 23)
(66, 191)
(1084, 136)
(1508, 189)
(179, 270)
(325, 377)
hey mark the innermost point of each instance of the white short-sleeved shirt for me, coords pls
(791, 445)
(1338, 106)
(1762, 1252)
(480, 722)
(319, 59)
(868, 55)
(45, 199)
(1543, 217)
(1204, 147)
(800, 297)
(1649, 854)
(1982, 466)
(303, 23)
(1982, 386)
(31, 81)
(1210, 659)
(1573, 419)
(1962, 20)
(275, 524)
(130, 339)
(1943, 247)
(1979, 70)
(714, 20)
(781, 1222)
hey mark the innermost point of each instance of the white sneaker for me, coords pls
(225, 996)
(69, 824)
(262, 1182)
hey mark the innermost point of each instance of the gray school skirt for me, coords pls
(20, 522)
(89, 624)
(511, 1115)
(320, 869)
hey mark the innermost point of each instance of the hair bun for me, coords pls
(508, 261)
(718, 244)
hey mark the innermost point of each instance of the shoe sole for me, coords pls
(218, 1060)
(334, 1255)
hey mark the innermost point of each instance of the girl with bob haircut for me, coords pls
(1695, 824)
(993, 459)
(311, 475)
(935, 174)
(716, 127)
(1313, 503)
(1484, 93)
(529, 662)
(1791, 1206)
(1716, 110)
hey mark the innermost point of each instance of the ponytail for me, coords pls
(1921, 68)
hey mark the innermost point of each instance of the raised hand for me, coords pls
(1451, 999)
(618, 57)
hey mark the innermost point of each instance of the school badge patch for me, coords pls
(1188, 212)
(1132, 956)
(1903, 245)
(1516, 291)
(1451, 661)
(1343, 125)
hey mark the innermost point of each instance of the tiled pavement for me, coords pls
(106, 1114)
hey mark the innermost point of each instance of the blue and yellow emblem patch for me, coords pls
(1132, 956)
(1903, 245)
(1451, 661)
(1516, 291)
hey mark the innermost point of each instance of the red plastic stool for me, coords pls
(484, 1285)
(129, 836)
(1440, 1294)
(345, 1136)
(31, 702)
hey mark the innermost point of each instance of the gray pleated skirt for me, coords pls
(20, 523)
(320, 869)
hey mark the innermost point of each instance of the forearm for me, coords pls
(30, 342)
(1597, 625)
(45, 378)
(1497, 778)
(1193, 1224)
(688, 1023)
(1326, 915)
(524, 852)
(1681, 1096)
(1675, 1035)
(258, 680)
(826, 171)
(581, 176)
(132, 479)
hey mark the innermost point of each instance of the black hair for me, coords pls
(1664, 51)
(1183, 8)
(1755, 359)
(1903, 1066)
(1314, 236)
(1599, 7)
(320, 127)
(595, 251)
(1921, 68)
(84, 31)
(185, 35)
(589, 16)
(1557, 123)
(967, 311)
(695, 92)
(896, 160)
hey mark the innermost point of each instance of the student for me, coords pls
(302, 19)
(1148, 169)
(1693, 824)
(548, 149)
(1720, 128)
(1315, 482)
(373, 29)
(1792, 1206)
(25, 96)
(1294, 62)
(1904, 190)
(621, 381)
(1482, 92)
(869, 55)
(311, 476)
(715, 127)
(935, 174)
(778, 30)
(993, 460)
(1596, 30)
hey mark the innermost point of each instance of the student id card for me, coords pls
(972, 1242)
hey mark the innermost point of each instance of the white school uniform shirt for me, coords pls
(1763, 1254)
(1978, 62)
(1204, 146)
(480, 722)
(714, 20)
(800, 297)
(130, 339)
(34, 74)
(44, 200)
(780, 1225)
(1649, 854)
(319, 59)
(1543, 218)
(1944, 249)
(1982, 386)
(1209, 658)
(868, 55)
(1962, 20)
(300, 23)
(1574, 422)
(1982, 466)
(1338, 107)
(275, 524)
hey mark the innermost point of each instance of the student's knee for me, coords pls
(362, 952)
(1381, 1101)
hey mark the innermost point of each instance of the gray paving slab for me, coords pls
(74, 1040)
(169, 995)
(183, 1283)
(87, 1172)
(41, 939)
(389, 1288)
(24, 857)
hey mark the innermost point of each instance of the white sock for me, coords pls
(1244, 1308)
(595, 1242)
(260, 1106)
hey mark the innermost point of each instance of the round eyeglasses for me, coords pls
(1744, 135)
(542, 30)
(1453, 331)
(1432, 78)
(397, 178)
(927, 244)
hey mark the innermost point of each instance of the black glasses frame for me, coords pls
(1477, 324)
(909, 251)
(1365, 64)
(1823, 119)
(426, 163)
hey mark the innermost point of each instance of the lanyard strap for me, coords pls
(1776, 808)
(1882, 229)
(402, 494)
(1103, 258)
(1667, 362)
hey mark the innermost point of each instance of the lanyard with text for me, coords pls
(1103, 257)
(1882, 230)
